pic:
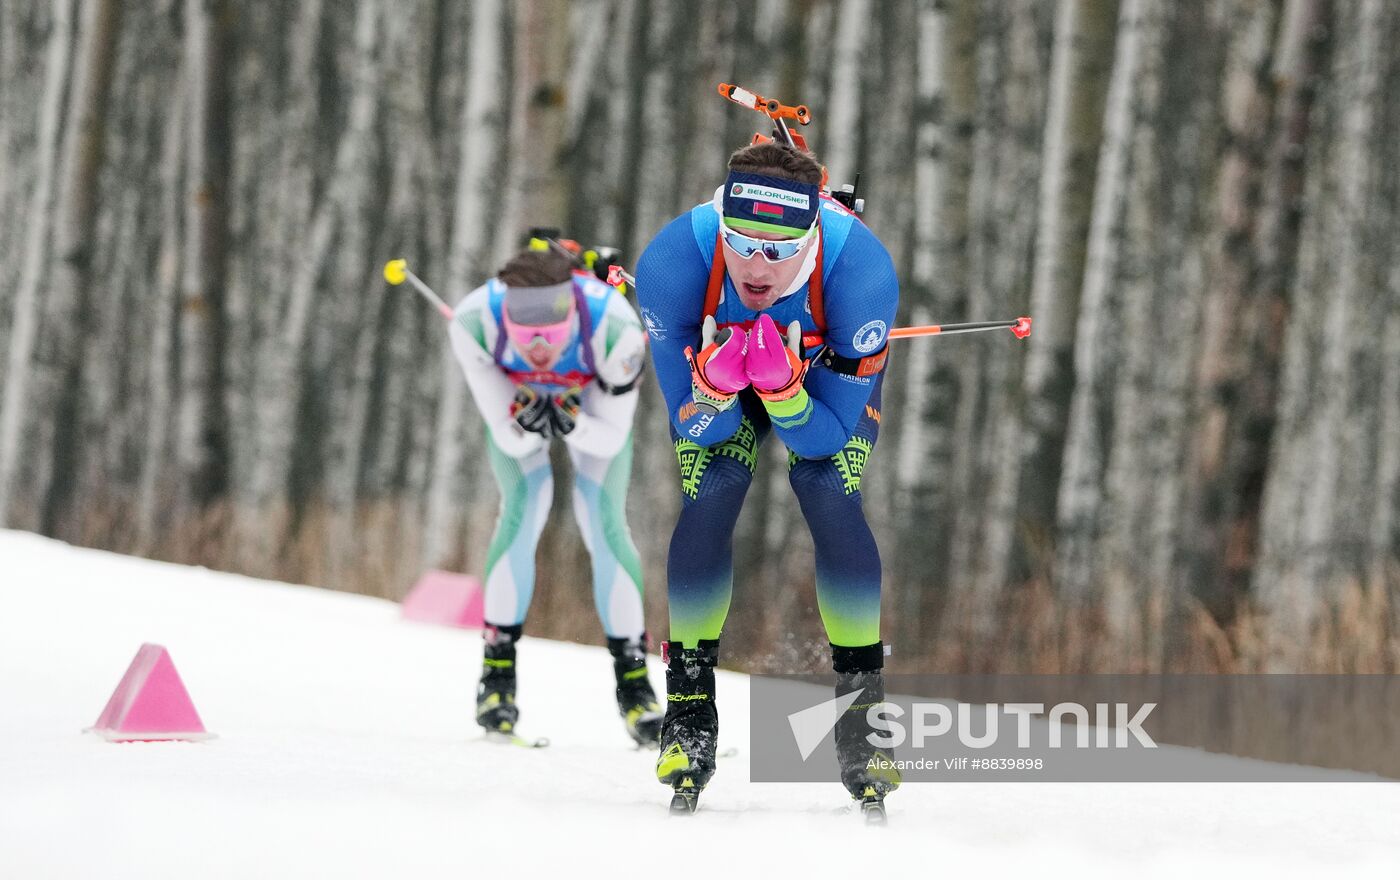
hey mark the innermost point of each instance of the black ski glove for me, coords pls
(531, 412)
(564, 410)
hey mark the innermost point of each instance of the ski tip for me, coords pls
(872, 806)
(686, 797)
(681, 807)
(504, 737)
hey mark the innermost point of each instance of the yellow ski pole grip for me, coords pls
(396, 271)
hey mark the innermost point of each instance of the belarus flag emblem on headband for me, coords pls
(772, 204)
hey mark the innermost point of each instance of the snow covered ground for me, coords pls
(347, 749)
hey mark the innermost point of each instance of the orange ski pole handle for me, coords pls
(769, 107)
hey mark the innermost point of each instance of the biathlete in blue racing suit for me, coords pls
(728, 290)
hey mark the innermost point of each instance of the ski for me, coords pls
(513, 739)
(872, 807)
(686, 797)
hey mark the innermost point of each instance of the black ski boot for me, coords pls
(867, 770)
(691, 726)
(495, 695)
(636, 701)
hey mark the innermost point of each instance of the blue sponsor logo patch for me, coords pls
(869, 336)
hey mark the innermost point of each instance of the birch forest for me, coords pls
(1193, 463)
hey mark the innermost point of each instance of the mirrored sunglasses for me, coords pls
(773, 251)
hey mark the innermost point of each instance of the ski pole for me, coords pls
(396, 272)
(1020, 328)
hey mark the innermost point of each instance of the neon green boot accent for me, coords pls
(491, 705)
(672, 761)
(884, 771)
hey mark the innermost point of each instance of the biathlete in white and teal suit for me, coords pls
(552, 352)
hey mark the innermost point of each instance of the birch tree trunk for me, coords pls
(299, 224)
(1013, 71)
(201, 440)
(1234, 399)
(887, 183)
(609, 172)
(1325, 455)
(589, 20)
(1021, 545)
(27, 309)
(470, 254)
(9, 72)
(843, 114)
(655, 195)
(1384, 550)
(155, 482)
(541, 56)
(121, 275)
(1087, 441)
(354, 329)
(919, 302)
(414, 223)
(947, 76)
(703, 158)
(68, 302)
(1161, 274)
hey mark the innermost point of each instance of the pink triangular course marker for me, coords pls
(150, 703)
(445, 598)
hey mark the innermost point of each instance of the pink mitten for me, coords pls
(722, 361)
(717, 372)
(771, 363)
